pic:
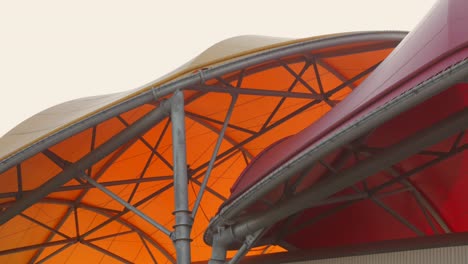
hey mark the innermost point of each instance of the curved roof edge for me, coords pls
(61, 121)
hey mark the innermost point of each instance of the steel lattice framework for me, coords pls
(170, 109)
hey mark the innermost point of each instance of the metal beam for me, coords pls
(88, 186)
(346, 51)
(51, 235)
(397, 216)
(281, 102)
(317, 77)
(92, 146)
(149, 160)
(192, 116)
(127, 205)
(116, 217)
(253, 137)
(77, 223)
(138, 128)
(56, 252)
(148, 249)
(421, 200)
(252, 91)
(19, 179)
(62, 163)
(106, 252)
(334, 72)
(183, 219)
(221, 136)
(353, 79)
(45, 226)
(384, 206)
(249, 242)
(37, 246)
(111, 235)
(80, 197)
(360, 49)
(294, 113)
(301, 80)
(148, 145)
(426, 207)
(342, 201)
(210, 190)
(217, 131)
(419, 169)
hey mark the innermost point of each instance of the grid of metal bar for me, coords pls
(88, 178)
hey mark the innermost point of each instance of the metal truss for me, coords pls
(81, 238)
(416, 95)
(171, 111)
(387, 159)
(229, 233)
(375, 194)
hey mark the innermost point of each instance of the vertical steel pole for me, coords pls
(218, 251)
(183, 218)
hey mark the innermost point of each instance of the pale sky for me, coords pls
(53, 51)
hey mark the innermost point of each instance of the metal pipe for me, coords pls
(89, 186)
(36, 246)
(398, 217)
(217, 131)
(259, 133)
(131, 226)
(110, 236)
(213, 157)
(126, 205)
(251, 91)
(326, 187)
(199, 118)
(148, 249)
(56, 252)
(75, 169)
(183, 219)
(334, 71)
(39, 223)
(291, 87)
(51, 235)
(106, 252)
(424, 203)
(19, 179)
(249, 242)
(218, 251)
(420, 199)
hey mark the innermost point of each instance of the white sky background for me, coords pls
(55, 51)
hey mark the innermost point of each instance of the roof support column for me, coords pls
(183, 218)
(218, 251)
